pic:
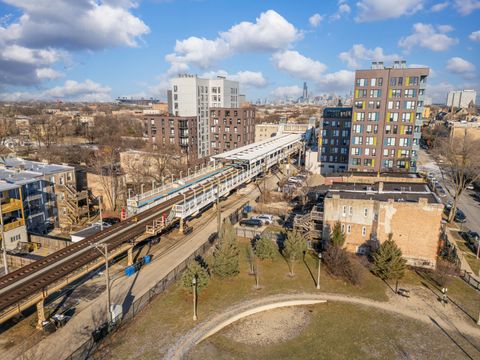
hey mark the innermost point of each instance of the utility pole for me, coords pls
(104, 252)
(219, 221)
(101, 217)
(318, 275)
(194, 286)
(4, 245)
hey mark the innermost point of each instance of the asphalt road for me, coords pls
(466, 203)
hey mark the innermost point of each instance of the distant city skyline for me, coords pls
(97, 51)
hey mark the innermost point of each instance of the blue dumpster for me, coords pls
(147, 259)
(247, 209)
(129, 270)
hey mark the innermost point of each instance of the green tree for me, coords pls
(265, 248)
(226, 253)
(295, 247)
(195, 269)
(388, 262)
(337, 237)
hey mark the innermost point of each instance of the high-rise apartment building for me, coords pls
(387, 117)
(461, 98)
(334, 140)
(194, 96)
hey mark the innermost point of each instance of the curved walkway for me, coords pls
(212, 325)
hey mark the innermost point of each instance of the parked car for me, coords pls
(470, 187)
(441, 191)
(264, 218)
(460, 216)
(251, 223)
(471, 236)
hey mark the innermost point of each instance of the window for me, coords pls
(357, 129)
(406, 117)
(356, 151)
(373, 82)
(375, 93)
(349, 229)
(344, 210)
(364, 231)
(342, 227)
(390, 105)
(380, 81)
(361, 82)
(360, 116)
(369, 140)
(393, 117)
(396, 93)
(359, 104)
(390, 141)
(350, 210)
(409, 105)
(373, 116)
(361, 93)
(368, 162)
(410, 93)
(365, 212)
(393, 81)
(357, 140)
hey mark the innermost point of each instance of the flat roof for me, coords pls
(18, 177)
(4, 186)
(35, 166)
(398, 192)
(259, 149)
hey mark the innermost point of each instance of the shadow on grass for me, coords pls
(310, 271)
(451, 338)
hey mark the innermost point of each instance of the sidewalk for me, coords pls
(464, 265)
(125, 290)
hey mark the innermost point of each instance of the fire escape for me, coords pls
(77, 204)
(310, 224)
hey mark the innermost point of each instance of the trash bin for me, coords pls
(147, 259)
(129, 270)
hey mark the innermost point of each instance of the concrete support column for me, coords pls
(41, 314)
(181, 227)
(130, 256)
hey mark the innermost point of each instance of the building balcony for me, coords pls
(11, 205)
(13, 225)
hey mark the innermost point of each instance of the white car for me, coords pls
(264, 218)
(470, 187)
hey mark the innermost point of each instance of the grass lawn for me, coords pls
(340, 331)
(156, 328)
(470, 256)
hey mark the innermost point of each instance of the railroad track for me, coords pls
(35, 277)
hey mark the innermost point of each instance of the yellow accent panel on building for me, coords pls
(11, 205)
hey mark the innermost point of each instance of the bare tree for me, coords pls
(105, 163)
(461, 164)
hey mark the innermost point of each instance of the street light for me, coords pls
(318, 275)
(101, 217)
(104, 252)
(194, 286)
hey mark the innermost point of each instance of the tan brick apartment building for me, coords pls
(368, 213)
(387, 117)
(231, 128)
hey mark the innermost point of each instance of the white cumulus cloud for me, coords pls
(428, 36)
(71, 90)
(287, 92)
(359, 53)
(245, 78)
(47, 32)
(459, 66)
(305, 68)
(269, 33)
(315, 19)
(439, 6)
(374, 10)
(465, 7)
(475, 36)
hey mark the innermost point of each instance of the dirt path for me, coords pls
(420, 308)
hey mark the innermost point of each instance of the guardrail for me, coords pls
(470, 279)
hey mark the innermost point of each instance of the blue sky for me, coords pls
(98, 50)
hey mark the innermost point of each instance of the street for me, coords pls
(466, 203)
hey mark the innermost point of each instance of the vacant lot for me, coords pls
(169, 316)
(333, 331)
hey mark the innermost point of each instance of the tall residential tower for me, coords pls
(387, 118)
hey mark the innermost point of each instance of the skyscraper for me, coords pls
(305, 91)
(387, 118)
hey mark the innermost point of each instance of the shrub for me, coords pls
(226, 253)
(265, 248)
(339, 264)
(194, 269)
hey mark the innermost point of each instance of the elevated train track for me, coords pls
(32, 284)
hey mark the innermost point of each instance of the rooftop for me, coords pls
(4, 186)
(398, 192)
(35, 166)
(259, 149)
